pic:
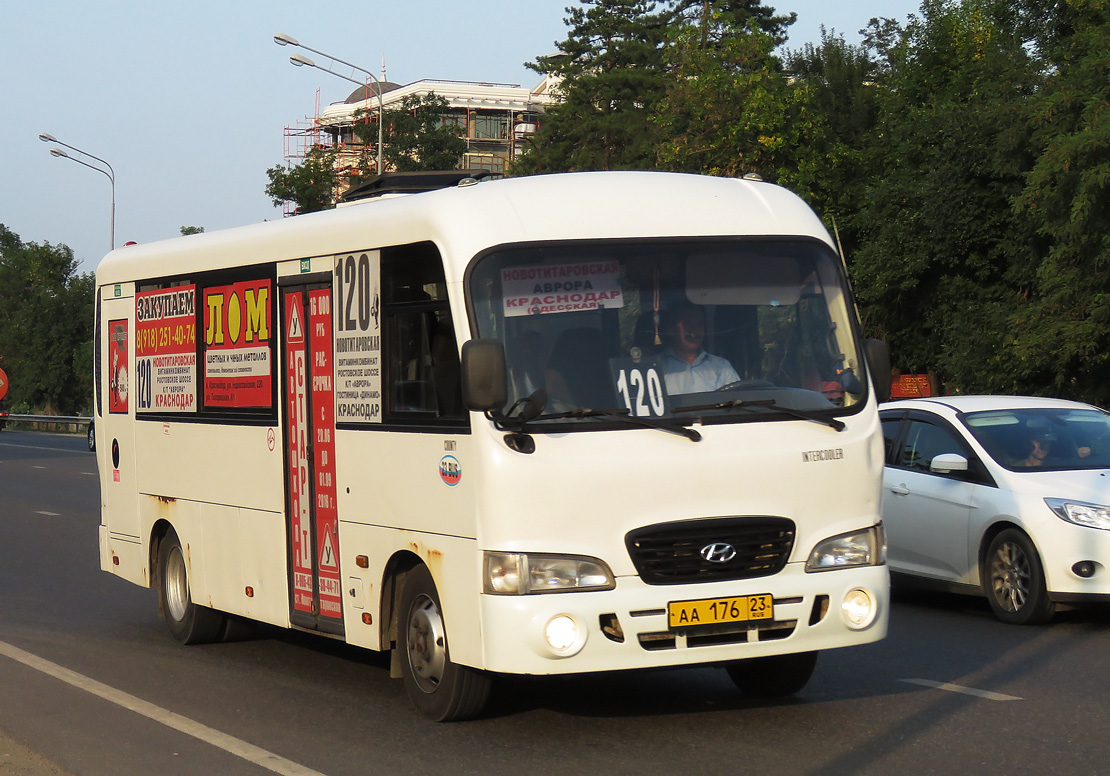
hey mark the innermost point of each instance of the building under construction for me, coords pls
(494, 119)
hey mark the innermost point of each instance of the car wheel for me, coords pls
(773, 677)
(1014, 580)
(189, 623)
(441, 690)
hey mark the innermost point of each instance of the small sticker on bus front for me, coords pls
(450, 470)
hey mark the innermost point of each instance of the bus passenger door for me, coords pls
(115, 410)
(312, 518)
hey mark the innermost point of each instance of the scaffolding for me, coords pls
(298, 139)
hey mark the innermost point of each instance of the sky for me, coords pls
(188, 101)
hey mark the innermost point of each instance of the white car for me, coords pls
(1005, 496)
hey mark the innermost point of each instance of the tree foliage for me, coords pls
(729, 109)
(46, 322)
(310, 185)
(416, 137)
(611, 76)
(938, 239)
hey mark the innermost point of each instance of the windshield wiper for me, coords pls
(751, 404)
(622, 414)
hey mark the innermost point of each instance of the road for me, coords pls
(91, 681)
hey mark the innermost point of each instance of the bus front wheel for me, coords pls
(189, 623)
(440, 689)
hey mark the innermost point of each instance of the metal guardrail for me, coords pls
(76, 421)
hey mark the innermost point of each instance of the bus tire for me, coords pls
(189, 623)
(776, 676)
(441, 690)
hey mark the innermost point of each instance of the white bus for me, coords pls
(548, 425)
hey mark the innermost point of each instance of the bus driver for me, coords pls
(687, 368)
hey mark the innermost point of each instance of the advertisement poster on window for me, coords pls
(117, 361)
(238, 364)
(166, 350)
(358, 346)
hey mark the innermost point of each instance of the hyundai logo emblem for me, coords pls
(718, 552)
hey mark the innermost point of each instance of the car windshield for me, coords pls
(717, 330)
(1044, 439)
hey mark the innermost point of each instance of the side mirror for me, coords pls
(878, 365)
(946, 463)
(484, 375)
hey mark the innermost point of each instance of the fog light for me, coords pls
(563, 635)
(858, 608)
(1084, 568)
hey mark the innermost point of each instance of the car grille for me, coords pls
(672, 553)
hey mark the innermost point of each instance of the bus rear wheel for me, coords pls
(189, 623)
(776, 676)
(441, 690)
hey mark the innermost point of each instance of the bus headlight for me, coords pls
(858, 548)
(518, 573)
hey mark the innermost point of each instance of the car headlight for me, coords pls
(518, 573)
(1080, 512)
(866, 547)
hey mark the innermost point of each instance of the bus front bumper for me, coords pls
(630, 626)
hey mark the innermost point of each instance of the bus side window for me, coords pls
(421, 356)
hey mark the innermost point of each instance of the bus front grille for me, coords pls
(713, 550)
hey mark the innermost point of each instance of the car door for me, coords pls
(928, 514)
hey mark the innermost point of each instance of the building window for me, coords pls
(485, 126)
(495, 164)
(456, 121)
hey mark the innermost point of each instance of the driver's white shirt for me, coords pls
(707, 373)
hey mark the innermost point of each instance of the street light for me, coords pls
(299, 61)
(110, 173)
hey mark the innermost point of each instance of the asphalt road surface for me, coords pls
(91, 683)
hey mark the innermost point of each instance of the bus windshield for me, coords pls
(717, 330)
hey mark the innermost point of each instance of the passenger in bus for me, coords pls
(687, 367)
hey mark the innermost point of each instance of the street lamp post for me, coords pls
(109, 173)
(299, 61)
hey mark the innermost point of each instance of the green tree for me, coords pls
(938, 239)
(730, 110)
(417, 136)
(187, 230)
(844, 83)
(311, 185)
(1060, 333)
(46, 320)
(611, 77)
(730, 15)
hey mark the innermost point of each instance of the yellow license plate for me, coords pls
(715, 611)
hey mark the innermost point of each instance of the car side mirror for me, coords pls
(878, 365)
(484, 375)
(946, 463)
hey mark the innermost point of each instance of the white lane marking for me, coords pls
(48, 514)
(991, 696)
(33, 466)
(235, 746)
(90, 474)
(39, 447)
